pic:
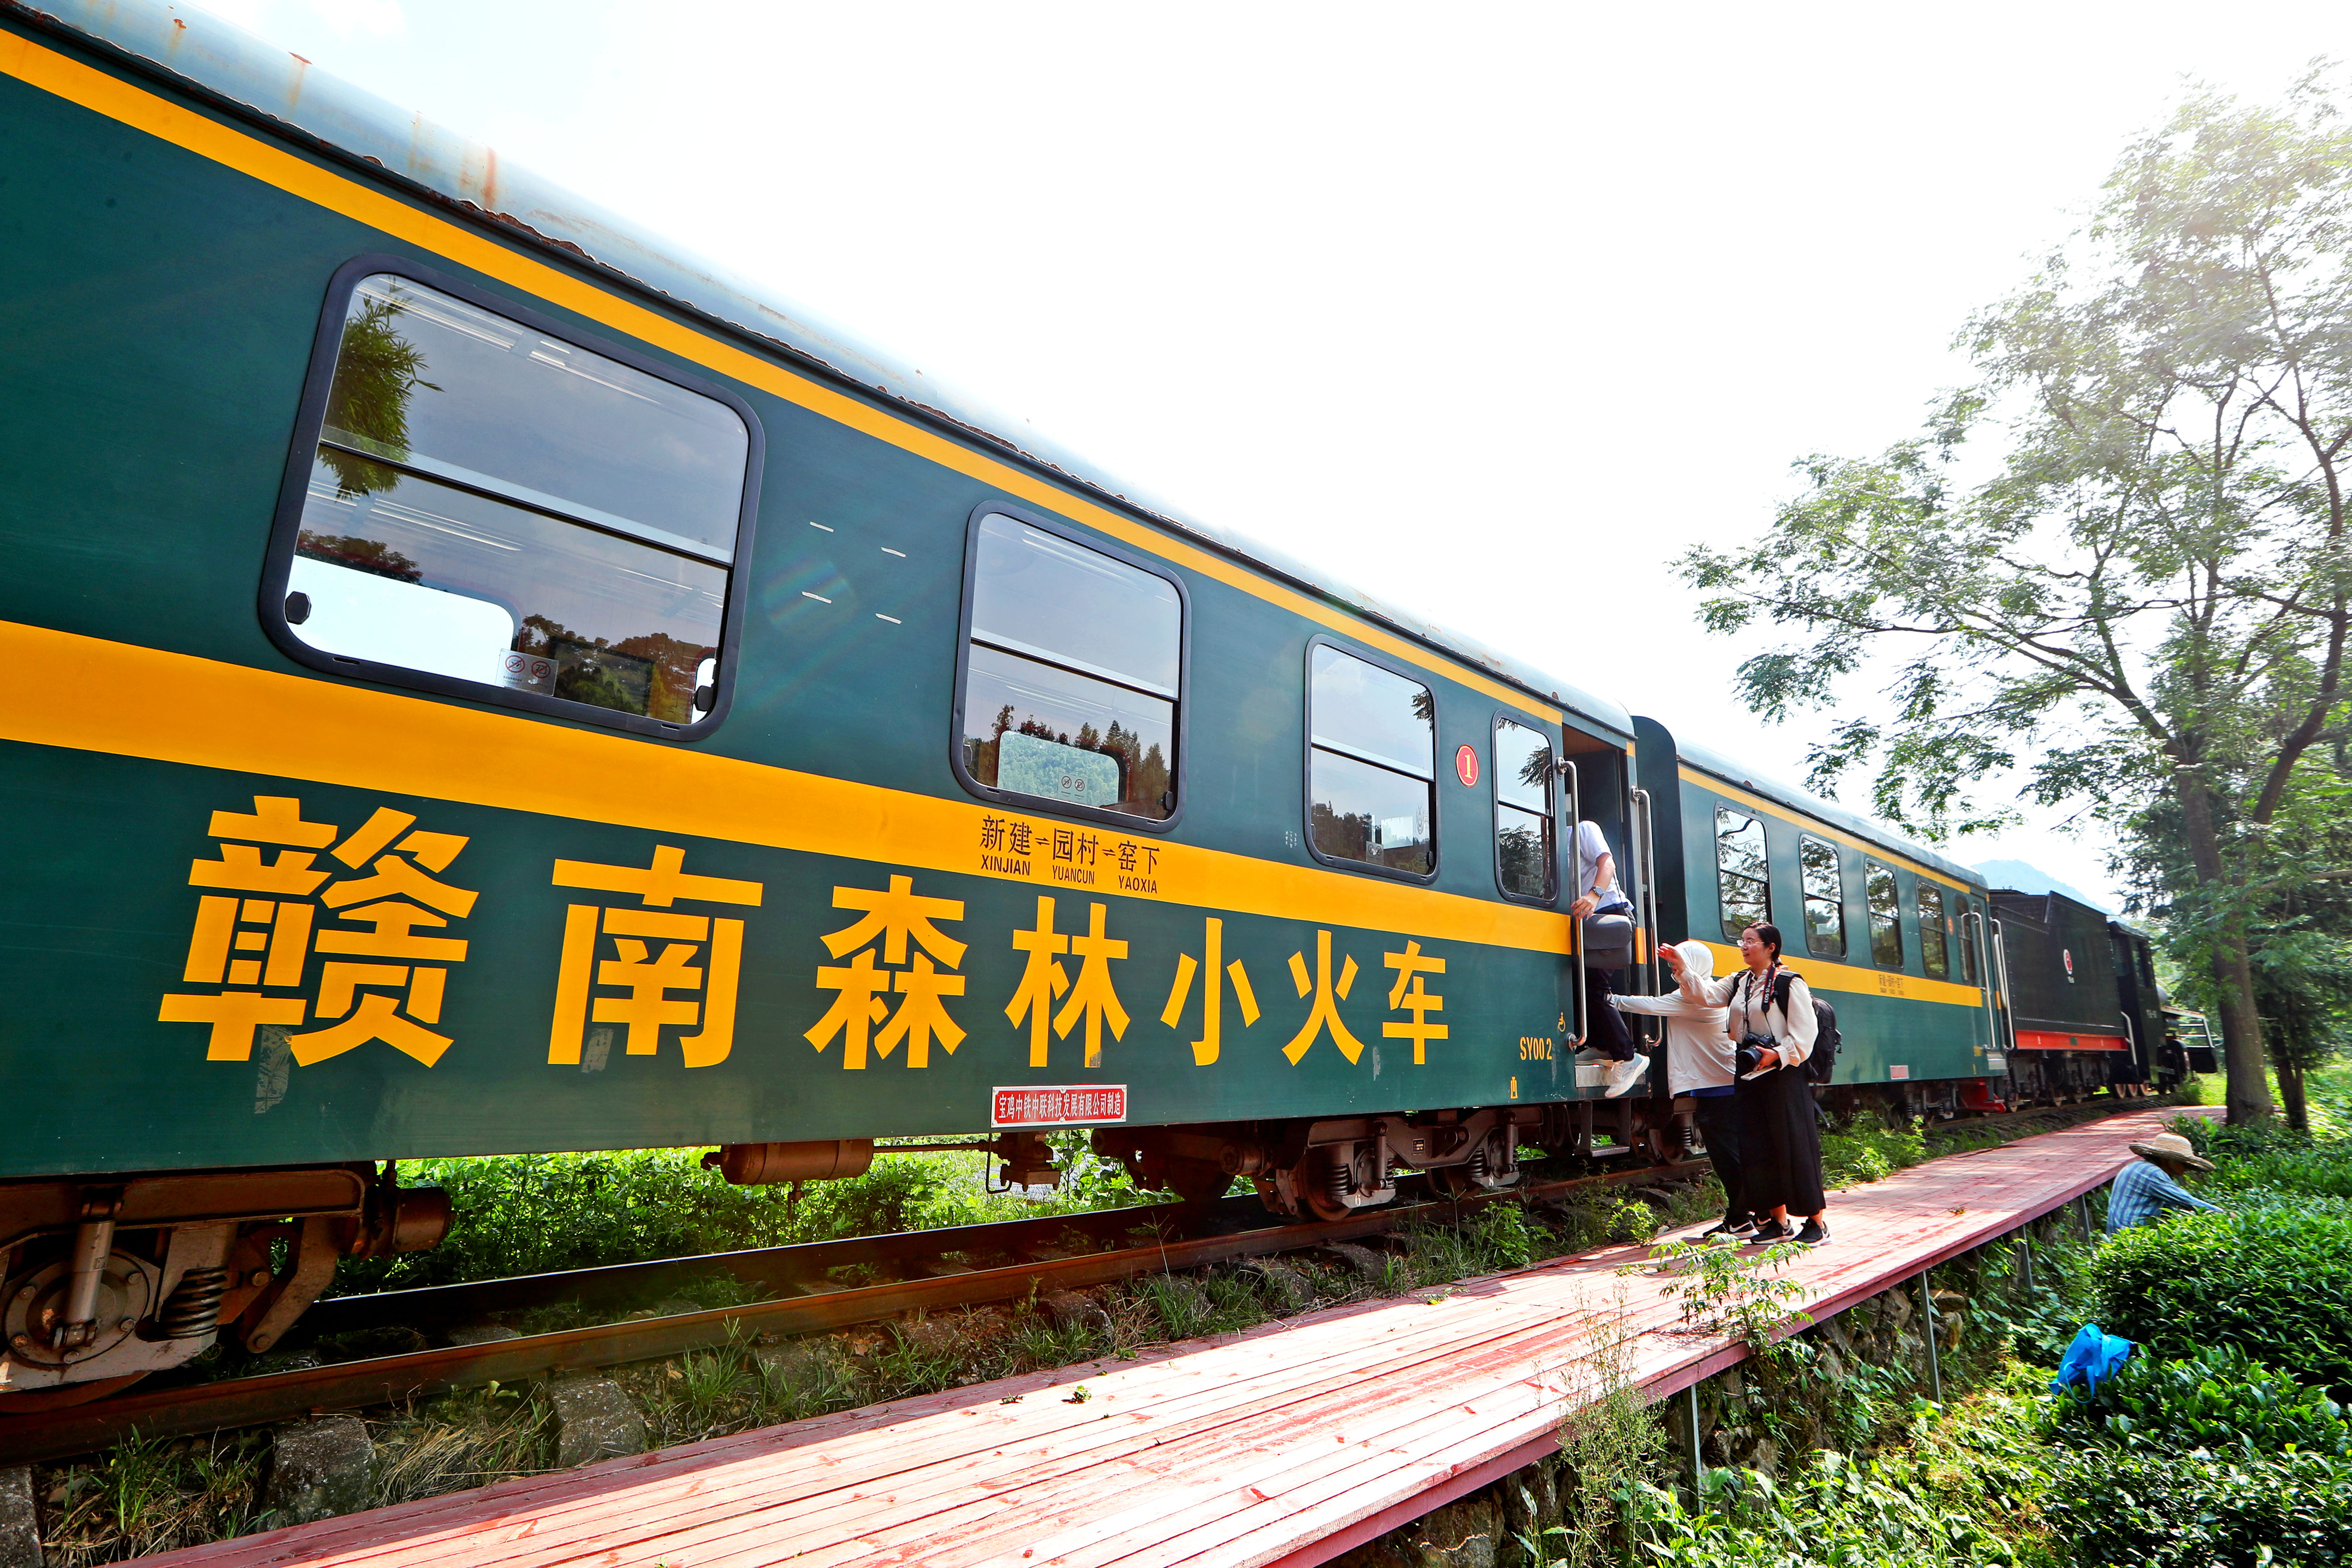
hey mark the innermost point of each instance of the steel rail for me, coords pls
(805, 1264)
(275, 1396)
(796, 1266)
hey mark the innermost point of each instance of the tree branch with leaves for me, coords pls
(2116, 562)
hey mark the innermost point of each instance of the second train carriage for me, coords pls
(1890, 934)
(477, 697)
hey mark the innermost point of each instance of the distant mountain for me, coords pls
(2026, 880)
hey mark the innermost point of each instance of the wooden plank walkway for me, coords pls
(1286, 1444)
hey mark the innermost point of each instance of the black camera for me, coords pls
(1749, 1052)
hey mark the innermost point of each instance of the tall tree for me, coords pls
(2146, 581)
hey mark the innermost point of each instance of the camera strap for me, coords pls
(1747, 997)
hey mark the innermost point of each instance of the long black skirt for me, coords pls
(1780, 1142)
(1717, 1116)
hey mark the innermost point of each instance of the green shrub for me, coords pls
(1889, 1513)
(2193, 1511)
(2273, 1279)
(2219, 1401)
(1867, 1149)
(532, 1214)
(2265, 1158)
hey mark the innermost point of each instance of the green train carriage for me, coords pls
(482, 698)
(1888, 932)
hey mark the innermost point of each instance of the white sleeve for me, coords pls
(1712, 992)
(1592, 844)
(1799, 1028)
(1673, 1004)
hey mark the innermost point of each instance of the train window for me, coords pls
(1523, 812)
(1886, 914)
(1969, 936)
(1817, 862)
(1372, 765)
(1070, 678)
(492, 504)
(1741, 884)
(1934, 948)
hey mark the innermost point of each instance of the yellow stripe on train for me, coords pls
(176, 707)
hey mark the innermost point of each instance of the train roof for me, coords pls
(223, 61)
(1869, 829)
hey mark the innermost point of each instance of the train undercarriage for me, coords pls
(105, 1280)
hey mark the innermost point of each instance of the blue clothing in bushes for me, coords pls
(2093, 1355)
(2142, 1192)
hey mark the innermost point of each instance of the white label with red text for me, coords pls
(1057, 1105)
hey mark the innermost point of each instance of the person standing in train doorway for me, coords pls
(1598, 894)
(1699, 1064)
(1772, 1029)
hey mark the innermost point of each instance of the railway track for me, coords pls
(935, 1270)
(2040, 1118)
(930, 1279)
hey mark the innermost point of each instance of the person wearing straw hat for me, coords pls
(2150, 1184)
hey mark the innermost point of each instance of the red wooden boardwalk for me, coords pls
(1283, 1444)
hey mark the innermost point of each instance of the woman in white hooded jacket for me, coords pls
(1779, 1130)
(1699, 1064)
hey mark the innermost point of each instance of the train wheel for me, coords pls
(33, 1401)
(1662, 1144)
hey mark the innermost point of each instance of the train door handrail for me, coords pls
(1575, 802)
(2000, 969)
(1645, 865)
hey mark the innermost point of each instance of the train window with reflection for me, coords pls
(1970, 933)
(1817, 864)
(1934, 947)
(1523, 811)
(490, 504)
(1886, 914)
(1070, 677)
(1372, 768)
(1741, 883)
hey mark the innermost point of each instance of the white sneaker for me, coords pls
(1622, 1076)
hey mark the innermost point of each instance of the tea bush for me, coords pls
(2218, 1401)
(2198, 1511)
(2272, 1279)
(1887, 1512)
(2261, 1158)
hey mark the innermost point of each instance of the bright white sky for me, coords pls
(1489, 310)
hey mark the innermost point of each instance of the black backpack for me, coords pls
(1822, 1061)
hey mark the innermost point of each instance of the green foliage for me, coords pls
(377, 372)
(2139, 599)
(147, 1495)
(1724, 1289)
(2037, 1324)
(1866, 1150)
(1614, 1442)
(2149, 1511)
(1887, 1512)
(2273, 1279)
(529, 1213)
(2264, 1158)
(2217, 1401)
